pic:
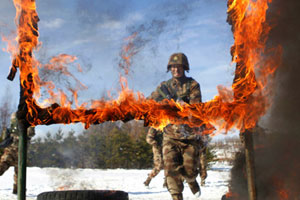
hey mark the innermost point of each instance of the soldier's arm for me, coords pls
(30, 132)
(7, 141)
(195, 94)
(151, 136)
(196, 97)
(156, 95)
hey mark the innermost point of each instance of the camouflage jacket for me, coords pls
(154, 137)
(184, 89)
(14, 134)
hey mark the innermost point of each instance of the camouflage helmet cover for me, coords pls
(13, 123)
(179, 59)
(13, 118)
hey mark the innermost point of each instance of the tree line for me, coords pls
(108, 145)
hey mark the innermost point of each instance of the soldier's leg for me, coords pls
(203, 164)
(158, 161)
(177, 196)
(5, 162)
(173, 169)
(8, 159)
(3, 167)
(190, 164)
(158, 164)
(15, 186)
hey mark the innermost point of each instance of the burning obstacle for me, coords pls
(239, 107)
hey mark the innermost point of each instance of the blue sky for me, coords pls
(94, 31)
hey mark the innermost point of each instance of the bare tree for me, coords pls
(6, 109)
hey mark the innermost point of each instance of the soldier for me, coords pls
(10, 154)
(180, 142)
(154, 138)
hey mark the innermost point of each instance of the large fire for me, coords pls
(240, 107)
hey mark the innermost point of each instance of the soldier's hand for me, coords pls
(180, 101)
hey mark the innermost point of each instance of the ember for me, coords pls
(61, 188)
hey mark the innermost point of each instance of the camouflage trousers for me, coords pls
(157, 161)
(8, 159)
(202, 165)
(181, 159)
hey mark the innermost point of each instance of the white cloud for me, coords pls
(110, 25)
(53, 24)
(115, 25)
(208, 21)
(81, 41)
(134, 17)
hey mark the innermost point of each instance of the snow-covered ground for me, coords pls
(49, 179)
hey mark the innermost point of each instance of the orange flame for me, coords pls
(59, 64)
(127, 52)
(62, 188)
(241, 107)
(27, 41)
(282, 193)
(231, 195)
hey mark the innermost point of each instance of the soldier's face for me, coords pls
(177, 71)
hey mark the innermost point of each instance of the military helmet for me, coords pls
(13, 118)
(178, 59)
(13, 123)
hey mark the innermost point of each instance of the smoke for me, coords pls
(60, 73)
(277, 160)
(284, 113)
(66, 179)
(90, 12)
(140, 37)
(168, 17)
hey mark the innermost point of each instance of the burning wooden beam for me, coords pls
(250, 164)
(243, 53)
(27, 41)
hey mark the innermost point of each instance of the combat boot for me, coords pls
(203, 175)
(165, 185)
(15, 189)
(177, 197)
(147, 182)
(194, 186)
(202, 182)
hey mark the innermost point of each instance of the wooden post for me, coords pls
(27, 41)
(22, 159)
(250, 168)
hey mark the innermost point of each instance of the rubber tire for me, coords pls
(84, 195)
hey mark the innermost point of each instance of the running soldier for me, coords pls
(154, 138)
(180, 142)
(10, 154)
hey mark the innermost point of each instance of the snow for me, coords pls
(50, 179)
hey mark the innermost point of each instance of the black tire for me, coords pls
(84, 195)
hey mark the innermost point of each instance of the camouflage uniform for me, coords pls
(10, 154)
(154, 138)
(180, 142)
